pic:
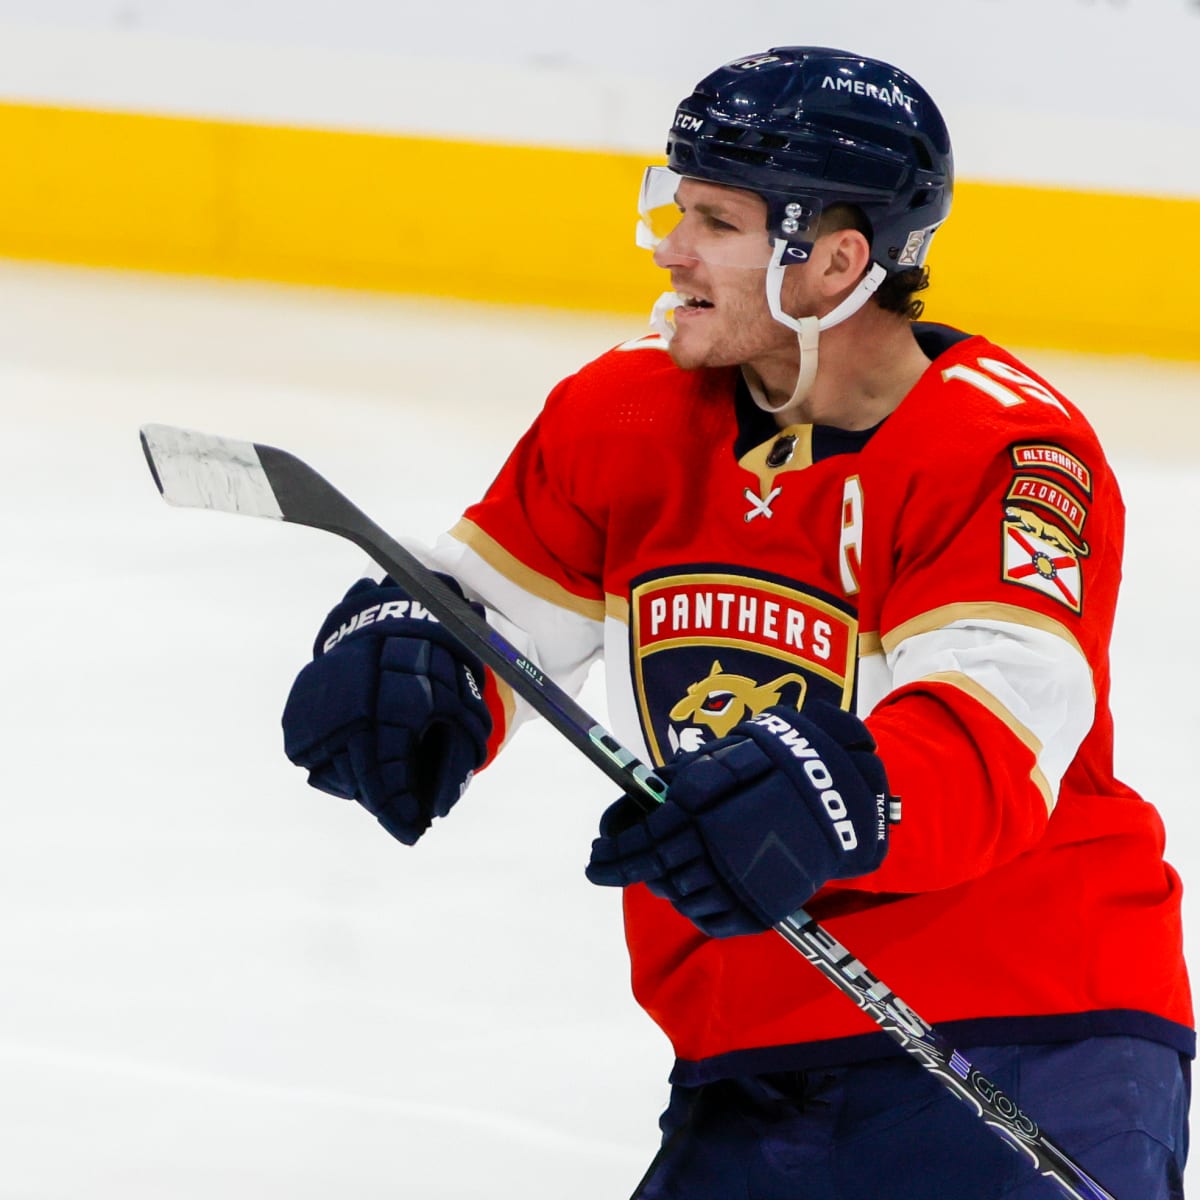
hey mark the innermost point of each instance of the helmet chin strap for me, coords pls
(808, 329)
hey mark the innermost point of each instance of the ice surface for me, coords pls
(219, 982)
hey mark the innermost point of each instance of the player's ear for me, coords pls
(846, 257)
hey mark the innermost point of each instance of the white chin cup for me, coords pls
(660, 315)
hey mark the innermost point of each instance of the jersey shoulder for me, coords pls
(635, 389)
(977, 399)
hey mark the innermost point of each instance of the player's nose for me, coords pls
(672, 251)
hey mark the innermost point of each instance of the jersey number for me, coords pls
(989, 382)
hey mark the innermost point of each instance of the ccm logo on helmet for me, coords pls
(687, 122)
(818, 775)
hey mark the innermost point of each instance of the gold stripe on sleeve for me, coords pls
(524, 577)
(1011, 614)
(1026, 736)
(617, 607)
(869, 644)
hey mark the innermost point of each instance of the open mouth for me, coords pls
(695, 303)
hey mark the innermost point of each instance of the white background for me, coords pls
(215, 981)
(1086, 93)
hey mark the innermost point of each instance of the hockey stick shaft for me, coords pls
(200, 471)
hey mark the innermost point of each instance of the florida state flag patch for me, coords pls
(1041, 555)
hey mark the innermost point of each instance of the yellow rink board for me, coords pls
(1086, 271)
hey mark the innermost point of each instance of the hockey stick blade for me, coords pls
(197, 470)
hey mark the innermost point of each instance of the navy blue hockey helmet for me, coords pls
(806, 127)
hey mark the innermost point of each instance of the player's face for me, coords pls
(717, 254)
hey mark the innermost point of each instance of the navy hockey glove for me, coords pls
(756, 822)
(390, 712)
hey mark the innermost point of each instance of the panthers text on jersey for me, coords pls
(952, 575)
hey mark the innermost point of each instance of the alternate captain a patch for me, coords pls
(712, 646)
(1041, 555)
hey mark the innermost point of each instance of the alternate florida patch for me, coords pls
(1040, 554)
(713, 646)
(1030, 491)
(1041, 456)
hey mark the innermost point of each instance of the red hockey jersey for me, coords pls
(952, 575)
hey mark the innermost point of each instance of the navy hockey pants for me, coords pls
(887, 1130)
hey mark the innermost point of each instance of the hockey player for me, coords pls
(832, 556)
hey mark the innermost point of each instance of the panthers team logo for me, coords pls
(715, 646)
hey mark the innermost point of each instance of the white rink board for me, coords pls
(219, 982)
(1102, 95)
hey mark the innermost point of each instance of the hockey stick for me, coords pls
(196, 470)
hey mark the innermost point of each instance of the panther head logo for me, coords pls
(720, 700)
